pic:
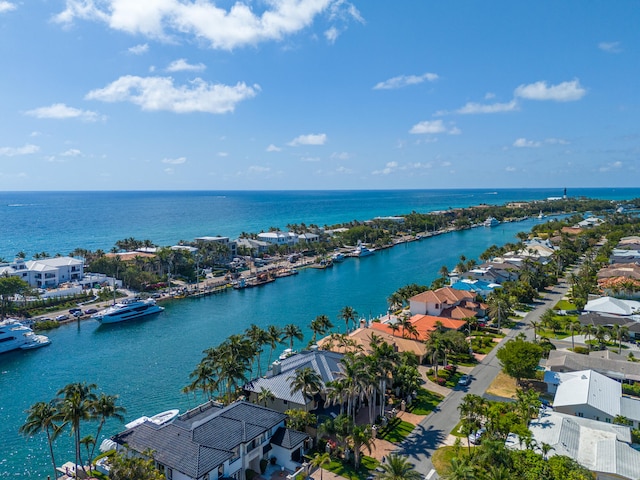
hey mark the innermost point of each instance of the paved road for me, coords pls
(434, 429)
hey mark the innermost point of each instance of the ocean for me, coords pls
(147, 362)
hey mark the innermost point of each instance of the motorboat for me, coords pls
(14, 335)
(362, 251)
(491, 222)
(158, 419)
(541, 215)
(286, 353)
(128, 310)
(337, 257)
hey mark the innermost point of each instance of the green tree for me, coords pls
(43, 417)
(349, 315)
(397, 467)
(306, 381)
(103, 408)
(9, 288)
(124, 467)
(265, 396)
(519, 358)
(291, 332)
(361, 436)
(320, 459)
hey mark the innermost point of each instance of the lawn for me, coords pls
(395, 431)
(425, 402)
(346, 470)
(441, 458)
(502, 386)
(565, 305)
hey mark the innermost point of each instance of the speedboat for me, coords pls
(17, 336)
(491, 222)
(362, 251)
(541, 215)
(159, 419)
(337, 257)
(128, 310)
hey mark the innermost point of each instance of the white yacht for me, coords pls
(128, 310)
(16, 336)
(491, 222)
(362, 251)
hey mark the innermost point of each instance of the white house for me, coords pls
(602, 448)
(46, 272)
(212, 442)
(588, 394)
(279, 238)
(613, 306)
(309, 237)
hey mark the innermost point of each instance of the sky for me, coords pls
(318, 94)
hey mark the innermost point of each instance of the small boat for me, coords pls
(491, 222)
(541, 215)
(337, 257)
(324, 263)
(158, 419)
(128, 310)
(14, 335)
(362, 251)
(286, 353)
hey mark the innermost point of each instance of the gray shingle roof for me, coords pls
(201, 439)
(325, 363)
(287, 438)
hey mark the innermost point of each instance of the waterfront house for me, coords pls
(46, 272)
(282, 372)
(446, 302)
(212, 442)
(279, 238)
(362, 337)
(308, 237)
(254, 246)
(228, 247)
(423, 325)
(605, 362)
(477, 287)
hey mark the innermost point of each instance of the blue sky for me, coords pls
(318, 94)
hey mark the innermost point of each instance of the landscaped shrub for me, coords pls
(581, 350)
(451, 368)
(631, 389)
(430, 372)
(442, 373)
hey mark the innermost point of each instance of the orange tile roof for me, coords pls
(424, 324)
(362, 336)
(443, 295)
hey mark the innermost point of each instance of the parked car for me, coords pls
(464, 380)
(77, 313)
(90, 311)
(60, 318)
(475, 438)
(73, 311)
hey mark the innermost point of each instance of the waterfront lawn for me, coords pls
(565, 305)
(425, 403)
(395, 431)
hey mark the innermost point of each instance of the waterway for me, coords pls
(147, 362)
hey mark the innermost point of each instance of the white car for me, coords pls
(475, 438)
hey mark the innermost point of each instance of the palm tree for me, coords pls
(499, 306)
(308, 382)
(320, 459)
(535, 325)
(273, 339)
(588, 330)
(397, 468)
(204, 379)
(291, 332)
(258, 337)
(42, 417)
(265, 396)
(459, 469)
(104, 408)
(76, 405)
(361, 436)
(349, 315)
(320, 326)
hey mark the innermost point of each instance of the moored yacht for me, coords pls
(362, 251)
(17, 336)
(128, 310)
(491, 222)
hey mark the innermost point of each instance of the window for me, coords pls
(580, 414)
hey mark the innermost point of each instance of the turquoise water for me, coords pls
(147, 362)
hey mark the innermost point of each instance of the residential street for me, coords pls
(434, 429)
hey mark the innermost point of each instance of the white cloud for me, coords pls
(61, 111)
(159, 93)
(181, 65)
(556, 141)
(223, 154)
(610, 47)
(340, 156)
(15, 151)
(433, 127)
(405, 80)
(169, 170)
(256, 169)
(331, 34)
(139, 49)
(309, 159)
(472, 108)
(240, 25)
(344, 170)
(563, 92)
(273, 148)
(311, 139)
(175, 161)
(510, 169)
(6, 6)
(611, 166)
(72, 152)
(489, 96)
(524, 143)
